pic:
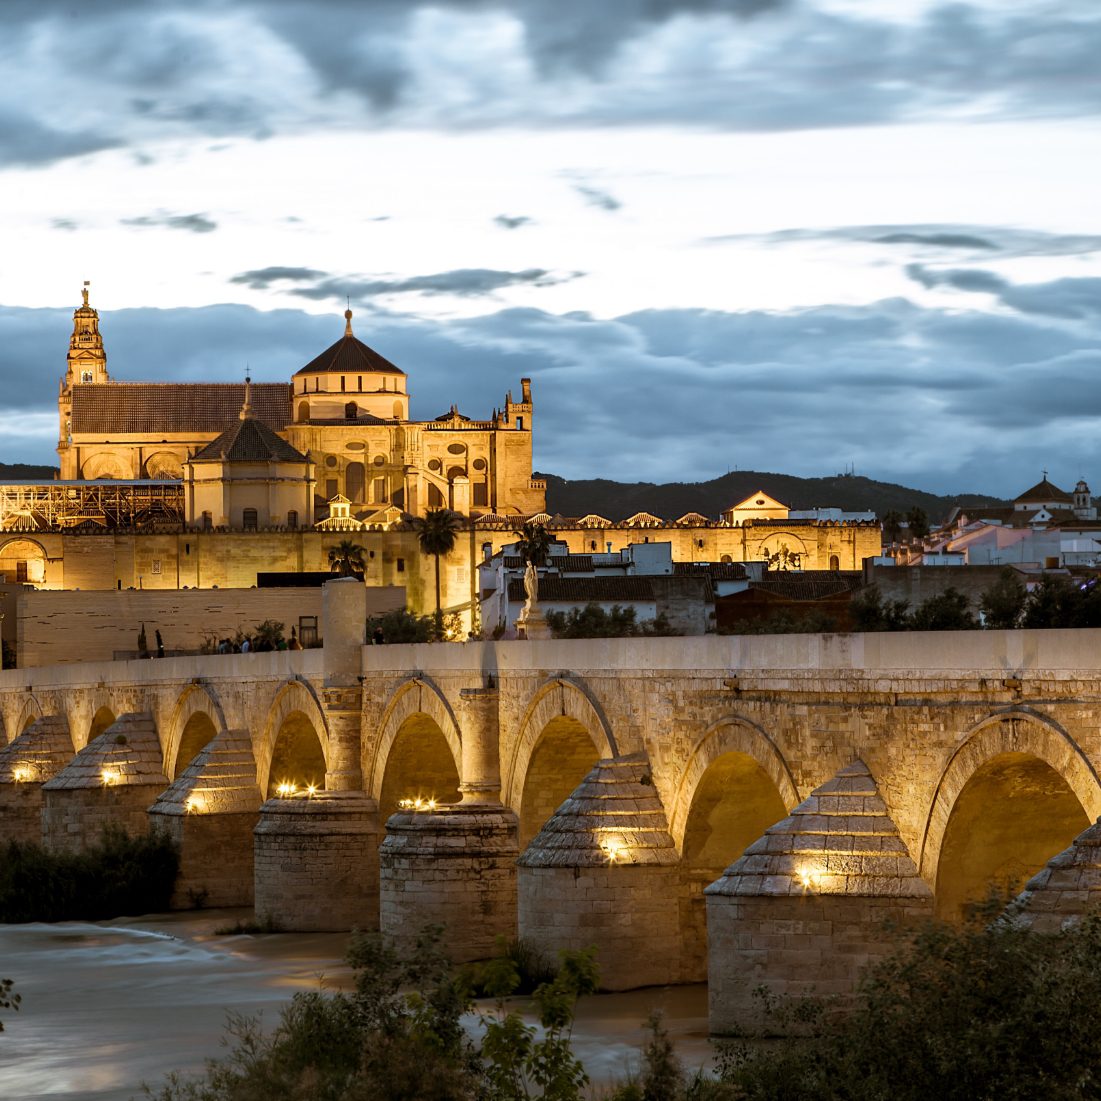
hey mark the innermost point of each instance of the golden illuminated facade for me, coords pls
(345, 414)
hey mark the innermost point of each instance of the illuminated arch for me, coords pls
(30, 710)
(196, 700)
(164, 465)
(415, 697)
(1018, 731)
(557, 698)
(105, 465)
(729, 735)
(26, 557)
(294, 696)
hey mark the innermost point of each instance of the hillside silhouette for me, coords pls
(27, 472)
(618, 500)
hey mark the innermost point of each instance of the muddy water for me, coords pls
(111, 1005)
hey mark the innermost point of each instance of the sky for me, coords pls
(803, 236)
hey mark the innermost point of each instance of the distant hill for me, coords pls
(24, 472)
(618, 500)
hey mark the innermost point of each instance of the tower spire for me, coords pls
(348, 319)
(246, 405)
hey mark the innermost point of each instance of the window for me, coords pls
(401, 565)
(342, 384)
(249, 519)
(292, 518)
(307, 630)
(208, 521)
(520, 424)
(85, 376)
(351, 411)
(21, 571)
(835, 562)
(353, 481)
(359, 381)
(378, 492)
(303, 412)
(480, 494)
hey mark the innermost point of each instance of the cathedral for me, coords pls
(274, 455)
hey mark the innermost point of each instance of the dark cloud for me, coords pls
(946, 399)
(26, 142)
(1068, 299)
(192, 223)
(463, 282)
(597, 197)
(165, 68)
(64, 223)
(513, 221)
(976, 239)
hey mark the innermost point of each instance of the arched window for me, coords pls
(353, 481)
(303, 412)
(351, 410)
(835, 562)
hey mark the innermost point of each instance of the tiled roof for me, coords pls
(349, 356)
(717, 571)
(1044, 491)
(584, 589)
(794, 588)
(248, 441)
(120, 408)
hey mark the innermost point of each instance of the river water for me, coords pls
(110, 1005)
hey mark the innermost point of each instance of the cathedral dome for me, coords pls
(349, 356)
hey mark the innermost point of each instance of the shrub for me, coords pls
(119, 875)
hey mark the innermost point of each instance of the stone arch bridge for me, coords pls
(354, 784)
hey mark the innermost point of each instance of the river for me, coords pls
(108, 1006)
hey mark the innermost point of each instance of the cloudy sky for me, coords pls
(792, 235)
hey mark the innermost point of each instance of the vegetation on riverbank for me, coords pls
(990, 1011)
(121, 874)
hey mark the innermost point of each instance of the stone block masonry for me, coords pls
(454, 867)
(317, 863)
(38, 754)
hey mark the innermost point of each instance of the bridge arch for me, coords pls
(418, 751)
(30, 709)
(295, 739)
(195, 720)
(755, 756)
(1014, 793)
(563, 733)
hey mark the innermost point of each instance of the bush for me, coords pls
(957, 1014)
(593, 621)
(402, 626)
(120, 875)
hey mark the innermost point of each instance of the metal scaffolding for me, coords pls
(91, 506)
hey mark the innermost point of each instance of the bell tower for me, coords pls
(87, 360)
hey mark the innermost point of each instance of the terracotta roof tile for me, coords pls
(248, 441)
(349, 355)
(149, 407)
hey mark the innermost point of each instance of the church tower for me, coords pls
(87, 359)
(87, 364)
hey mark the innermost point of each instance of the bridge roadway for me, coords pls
(984, 747)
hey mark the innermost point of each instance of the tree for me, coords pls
(437, 532)
(402, 626)
(347, 559)
(892, 526)
(918, 523)
(534, 544)
(870, 612)
(1003, 603)
(8, 998)
(947, 611)
(268, 635)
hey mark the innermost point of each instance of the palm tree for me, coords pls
(437, 532)
(534, 544)
(346, 559)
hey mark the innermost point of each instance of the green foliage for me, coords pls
(987, 1012)
(348, 559)
(437, 532)
(399, 1037)
(1061, 602)
(8, 998)
(917, 521)
(593, 621)
(402, 626)
(121, 874)
(892, 526)
(518, 968)
(534, 543)
(8, 659)
(870, 612)
(947, 611)
(267, 634)
(1002, 605)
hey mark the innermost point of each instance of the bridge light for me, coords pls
(615, 852)
(810, 878)
(311, 790)
(418, 803)
(109, 776)
(22, 774)
(286, 789)
(195, 804)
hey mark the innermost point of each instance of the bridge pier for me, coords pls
(112, 781)
(26, 763)
(604, 871)
(211, 812)
(454, 867)
(810, 904)
(1065, 890)
(316, 862)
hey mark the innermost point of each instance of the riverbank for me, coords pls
(110, 1005)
